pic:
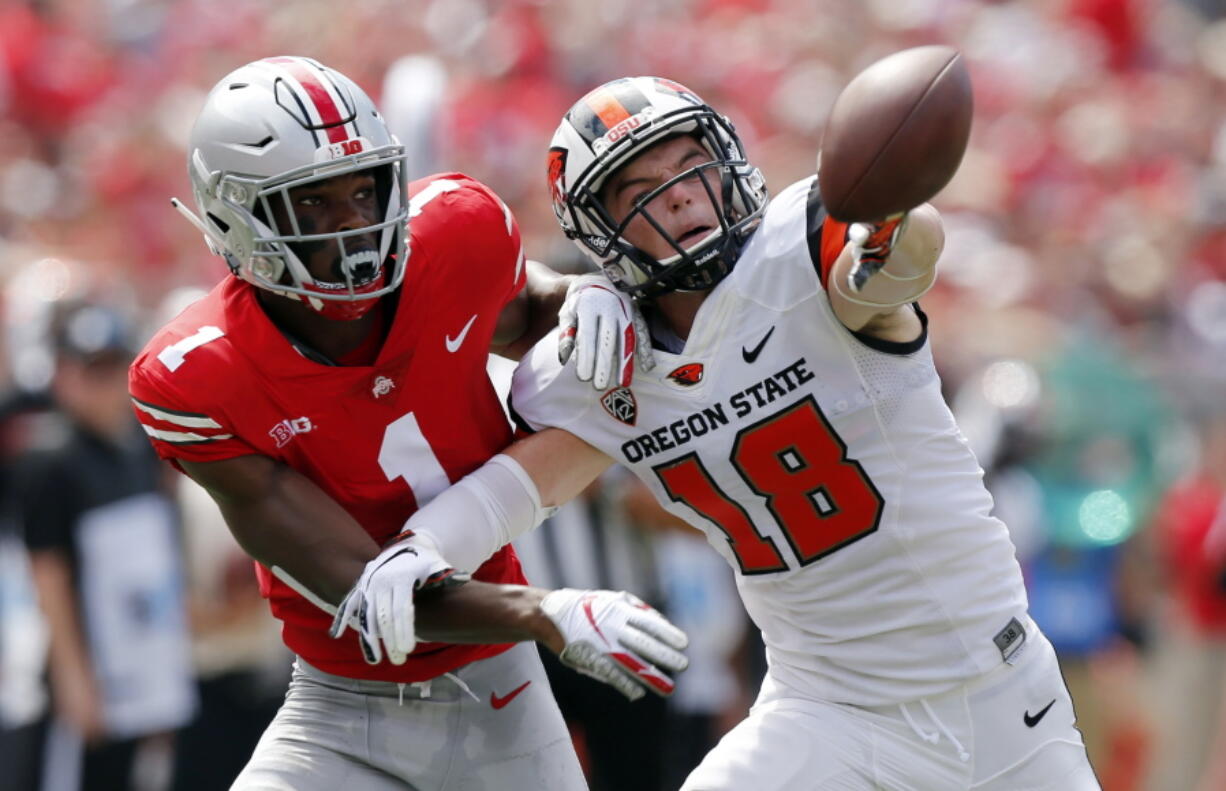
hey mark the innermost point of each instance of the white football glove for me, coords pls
(614, 637)
(608, 330)
(380, 606)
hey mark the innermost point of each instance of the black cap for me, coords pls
(93, 332)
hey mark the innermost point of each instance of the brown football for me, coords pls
(896, 134)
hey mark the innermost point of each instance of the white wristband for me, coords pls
(489, 508)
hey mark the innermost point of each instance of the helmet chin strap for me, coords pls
(346, 309)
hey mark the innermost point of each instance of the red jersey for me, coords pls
(221, 381)
(1188, 516)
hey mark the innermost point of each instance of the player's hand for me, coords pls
(380, 606)
(872, 244)
(614, 637)
(606, 329)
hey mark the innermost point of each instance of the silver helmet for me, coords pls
(281, 123)
(607, 129)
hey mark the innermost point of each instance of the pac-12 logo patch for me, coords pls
(688, 375)
(619, 402)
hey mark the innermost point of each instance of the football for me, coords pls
(896, 134)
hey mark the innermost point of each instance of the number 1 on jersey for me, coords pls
(405, 453)
(821, 499)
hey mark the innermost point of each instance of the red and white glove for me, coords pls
(380, 605)
(608, 331)
(614, 637)
(872, 244)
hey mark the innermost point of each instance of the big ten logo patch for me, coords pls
(287, 429)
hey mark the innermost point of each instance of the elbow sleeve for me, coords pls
(486, 510)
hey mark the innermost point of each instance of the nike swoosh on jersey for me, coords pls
(1033, 721)
(453, 344)
(498, 702)
(750, 356)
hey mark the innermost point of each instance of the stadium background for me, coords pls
(1079, 322)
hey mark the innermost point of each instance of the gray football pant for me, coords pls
(339, 733)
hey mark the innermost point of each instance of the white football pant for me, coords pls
(1012, 729)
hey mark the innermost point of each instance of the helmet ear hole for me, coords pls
(221, 224)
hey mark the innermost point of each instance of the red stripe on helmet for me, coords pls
(329, 114)
(607, 107)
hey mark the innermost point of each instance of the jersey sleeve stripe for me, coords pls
(185, 419)
(506, 213)
(607, 107)
(898, 347)
(182, 437)
(826, 235)
(517, 419)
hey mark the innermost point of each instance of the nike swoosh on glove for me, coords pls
(607, 330)
(614, 637)
(380, 605)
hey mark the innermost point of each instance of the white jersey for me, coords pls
(825, 467)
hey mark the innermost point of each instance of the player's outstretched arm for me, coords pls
(611, 636)
(877, 305)
(461, 528)
(282, 519)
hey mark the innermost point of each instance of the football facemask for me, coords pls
(608, 129)
(285, 123)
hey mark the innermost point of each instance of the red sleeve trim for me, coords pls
(833, 240)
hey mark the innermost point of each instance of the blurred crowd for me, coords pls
(1079, 324)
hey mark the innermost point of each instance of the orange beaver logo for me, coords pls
(688, 374)
(557, 175)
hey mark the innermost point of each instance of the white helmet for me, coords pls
(277, 124)
(608, 128)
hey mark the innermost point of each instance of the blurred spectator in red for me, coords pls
(1120, 24)
(55, 63)
(1190, 660)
